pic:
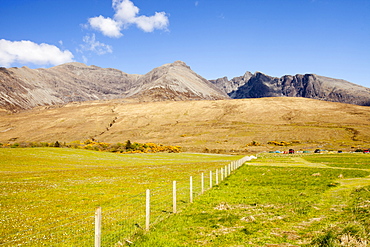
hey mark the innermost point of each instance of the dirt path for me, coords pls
(294, 162)
(300, 162)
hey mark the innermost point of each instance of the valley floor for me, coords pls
(278, 200)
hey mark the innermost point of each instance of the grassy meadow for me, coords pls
(278, 200)
(49, 195)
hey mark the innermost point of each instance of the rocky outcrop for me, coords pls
(312, 86)
(229, 86)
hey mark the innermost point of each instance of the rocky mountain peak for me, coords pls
(261, 76)
(180, 63)
(174, 81)
(259, 85)
(73, 64)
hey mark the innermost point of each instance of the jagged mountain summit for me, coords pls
(312, 86)
(24, 88)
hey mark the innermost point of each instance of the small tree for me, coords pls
(129, 145)
(57, 144)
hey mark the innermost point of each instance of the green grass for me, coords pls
(357, 160)
(49, 195)
(303, 200)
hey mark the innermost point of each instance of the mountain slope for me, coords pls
(198, 125)
(24, 88)
(175, 81)
(309, 86)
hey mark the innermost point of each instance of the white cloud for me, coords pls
(26, 51)
(91, 44)
(196, 3)
(126, 14)
(107, 26)
(149, 23)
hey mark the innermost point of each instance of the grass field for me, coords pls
(278, 200)
(49, 195)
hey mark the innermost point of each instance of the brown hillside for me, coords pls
(224, 125)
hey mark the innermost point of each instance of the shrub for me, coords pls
(128, 147)
(14, 145)
(282, 143)
(254, 143)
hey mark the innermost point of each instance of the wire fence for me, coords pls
(121, 225)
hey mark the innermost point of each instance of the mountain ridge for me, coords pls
(312, 86)
(175, 81)
(24, 88)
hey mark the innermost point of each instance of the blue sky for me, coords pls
(215, 38)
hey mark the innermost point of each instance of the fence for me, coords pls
(118, 227)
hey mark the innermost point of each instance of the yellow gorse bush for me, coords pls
(95, 145)
(282, 143)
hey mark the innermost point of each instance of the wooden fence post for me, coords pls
(98, 220)
(147, 210)
(191, 189)
(174, 197)
(202, 183)
(216, 176)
